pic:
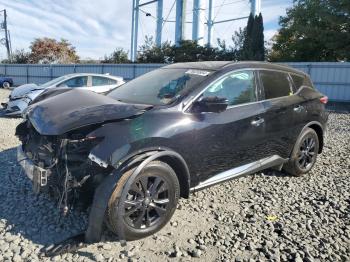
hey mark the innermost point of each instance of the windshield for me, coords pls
(54, 81)
(159, 87)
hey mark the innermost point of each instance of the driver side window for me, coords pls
(80, 81)
(237, 87)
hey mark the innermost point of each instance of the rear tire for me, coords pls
(150, 203)
(304, 153)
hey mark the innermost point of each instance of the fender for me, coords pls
(313, 123)
(320, 128)
(105, 189)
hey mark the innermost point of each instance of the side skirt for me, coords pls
(251, 168)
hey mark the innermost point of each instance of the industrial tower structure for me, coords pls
(6, 41)
(199, 21)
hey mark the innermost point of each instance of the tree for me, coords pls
(188, 51)
(118, 56)
(258, 36)
(248, 44)
(253, 39)
(50, 51)
(314, 30)
(20, 56)
(150, 53)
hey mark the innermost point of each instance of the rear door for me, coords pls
(303, 103)
(101, 84)
(280, 105)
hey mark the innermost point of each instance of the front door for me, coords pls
(75, 82)
(236, 136)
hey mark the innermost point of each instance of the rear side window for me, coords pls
(276, 84)
(308, 82)
(102, 81)
(298, 81)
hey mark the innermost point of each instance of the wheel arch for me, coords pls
(139, 160)
(168, 156)
(317, 127)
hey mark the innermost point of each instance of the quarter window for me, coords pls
(276, 84)
(80, 81)
(237, 88)
(102, 81)
(298, 81)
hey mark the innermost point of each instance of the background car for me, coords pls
(22, 96)
(5, 82)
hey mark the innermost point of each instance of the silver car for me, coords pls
(22, 96)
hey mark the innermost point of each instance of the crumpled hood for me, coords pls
(71, 110)
(23, 90)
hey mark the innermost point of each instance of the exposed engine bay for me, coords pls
(62, 167)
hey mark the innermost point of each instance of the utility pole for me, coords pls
(198, 25)
(7, 38)
(135, 24)
(134, 29)
(159, 23)
(180, 21)
(210, 22)
(255, 7)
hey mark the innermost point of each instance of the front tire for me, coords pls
(150, 203)
(304, 153)
(6, 84)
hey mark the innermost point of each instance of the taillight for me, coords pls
(324, 100)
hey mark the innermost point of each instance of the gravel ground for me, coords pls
(263, 217)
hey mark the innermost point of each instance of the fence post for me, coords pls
(309, 66)
(102, 69)
(51, 74)
(134, 71)
(5, 70)
(27, 74)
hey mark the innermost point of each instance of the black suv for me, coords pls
(132, 154)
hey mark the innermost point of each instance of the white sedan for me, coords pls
(22, 96)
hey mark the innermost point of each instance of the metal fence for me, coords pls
(332, 79)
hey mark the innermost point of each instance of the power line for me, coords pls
(230, 3)
(148, 13)
(222, 4)
(171, 9)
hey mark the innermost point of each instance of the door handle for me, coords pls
(298, 108)
(258, 121)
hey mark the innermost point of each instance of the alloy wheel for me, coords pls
(146, 203)
(307, 153)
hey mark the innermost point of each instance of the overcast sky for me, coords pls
(96, 28)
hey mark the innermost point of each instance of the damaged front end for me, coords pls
(61, 165)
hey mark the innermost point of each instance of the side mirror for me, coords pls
(212, 104)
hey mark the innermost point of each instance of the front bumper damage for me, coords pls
(36, 174)
(62, 167)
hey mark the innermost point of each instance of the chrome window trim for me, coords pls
(256, 69)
